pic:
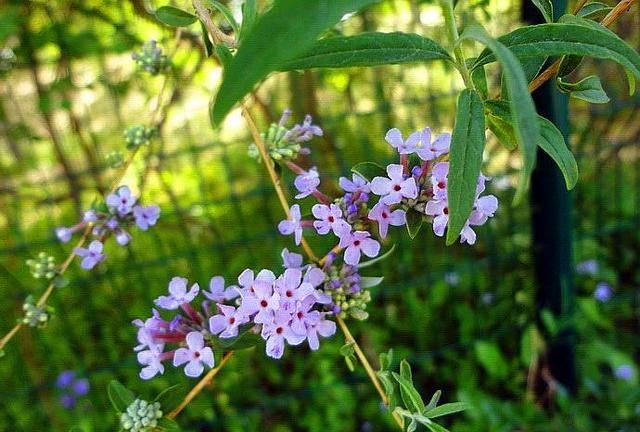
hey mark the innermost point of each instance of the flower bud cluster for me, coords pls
(43, 266)
(114, 159)
(286, 144)
(151, 59)
(139, 135)
(34, 315)
(141, 416)
(349, 298)
(112, 219)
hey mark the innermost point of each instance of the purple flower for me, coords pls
(64, 234)
(468, 235)
(484, 208)
(603, 292)
(291, 259)
(217, 291)
(307, 183)
(90, 216)
(293, 224)
(440, 213)
(65, 379)
(67, 401)
(246, 278)
(394, 138)
(277, 331)
(428, 150)
(121, 201)
(291, 289)
(123, 237)
(146, 216)
(81, 387)
(588, 267)
(91, 256)
(624, 372)
(303, 132)
(394, 188)
(226, 324)
(439, 180)
(178, 294)
(196, 355)
(382, 214)
(151, 359)
(356, 243)
(329, 218)
(263, 301)
(323, 327)
(358, 185)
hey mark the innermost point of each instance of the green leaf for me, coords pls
(552, 142)
(378, 258)
(208, 46)
(169, 425)
(368, 49)
(465, 160)
(434, 401)
(287, 30)
(594, 11)
(479, 78)
(531, 345)
(410, 396)
(405, 371)
(446, 409)
(370, 282)
(351, 364)
(521, 105)
(60, 281)
(224, 54)
(503, 130)
(571, 36)
(120, 396)
(549, 321)
(226, 13)
(246, 339)
(414, 222)
(568, 65)
(369, 170)
(249, 16)
(491, 359)
(588, 89)
(546, 8)
(434, 427)
(347, 350)
(174, 17)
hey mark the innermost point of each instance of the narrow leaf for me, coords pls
(368, 49)
(588, 89)
(446, 409)
(546, 8)
(249, 16)
(369, 170)
(120, 396)
(378, 258)
(523, 110)
(208, 46)
(552, 142)
(174, 17)
(287, 30)
(414, 222)
(434, 401)
(410, 396)
(594, 10)
(370, 282)
(465, 159)
(405, 371)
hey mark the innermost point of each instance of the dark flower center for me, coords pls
(445, 210)
(279, 330)
(441, 185)
(331, 219)
(356, 243)
(397, 188)
(264, 303)
(289, 294)
(232, 320)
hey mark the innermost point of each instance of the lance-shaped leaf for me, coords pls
(588, 89)
(521, 104)
(174, 17)
(571, 36)
(120, 396)
(368, 49)
(287, 30)
(446, 409)
(546, 9)
(410, 396)
(465, 159)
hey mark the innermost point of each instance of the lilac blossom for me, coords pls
(322, 327)
(178, 294)
(91, 256)
(247, 278)
(217, 291)
(291, 289)
(291, 259)
(226, 324)
(122, 237)
(329, 219)
(263, 301)
(121, 201)
(358, 184)
(396, 187)
(90, 216)
(603, 292)
(151, 359)
(383, 214)
(357, 243)
(429, 150)
(624, 372)
(307, 183)
(196, 355)
(146, 216)
(293, 224)
(64, 234)
(303, 132)
(439, 180)
(440, 212)
(394, 138)
(80, 387)
(277, 331)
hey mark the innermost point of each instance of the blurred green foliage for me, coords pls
(464, 317)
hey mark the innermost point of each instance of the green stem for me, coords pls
(452, 30)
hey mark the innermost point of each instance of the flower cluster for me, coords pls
(71, 388)
(114, 159)
(287, 309)
(283, 143)
(34, 315)
(120, 212)
(43, 266)
(151, 59)
(139, 135)
(141, 416)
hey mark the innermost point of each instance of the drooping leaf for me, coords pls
(287, 30)
(446, 409)
(546, 8)
(503, 130)
(368, 49)
(120, 396)
(588, 89)
(521, 104)
(552, 142)
(369, 170)
(465, 160)
(174, 17)
(594, 10)
(410, 396)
